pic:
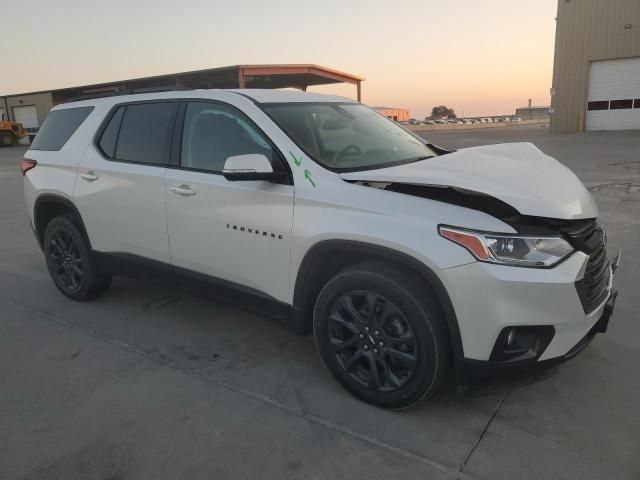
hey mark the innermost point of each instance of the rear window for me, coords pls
(58, 128)
(145, 133)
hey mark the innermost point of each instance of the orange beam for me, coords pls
(264, 71)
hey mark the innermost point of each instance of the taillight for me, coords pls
(26, 165)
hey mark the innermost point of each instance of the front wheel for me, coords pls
(382, 335)
(69, 263)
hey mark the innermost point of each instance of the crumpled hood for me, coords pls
(519, 174)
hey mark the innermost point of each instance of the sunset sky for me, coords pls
(479, 57)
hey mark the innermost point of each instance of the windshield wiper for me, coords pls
(417, 159)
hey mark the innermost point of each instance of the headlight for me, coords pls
(517, 250)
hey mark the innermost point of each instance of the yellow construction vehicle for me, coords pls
(10, 133)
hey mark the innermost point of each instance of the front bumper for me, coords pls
(489, 298)
(470, 369)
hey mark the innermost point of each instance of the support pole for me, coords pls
(241, 79)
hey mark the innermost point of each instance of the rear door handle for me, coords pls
(89, 176)
(184, 190)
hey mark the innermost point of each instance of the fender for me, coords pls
(360, 250)
(48, 198)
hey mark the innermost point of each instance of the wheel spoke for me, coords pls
(340, 345)
(351, 363)
(374, 381)
(372, 298)
(406, 358)
(407, 339)
(377, 308)
(54, 243)
(393, 379)
(347, 303)
(77, 279)
(389, 310)
(68, 278)
(337, 318)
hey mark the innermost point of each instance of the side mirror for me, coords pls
(253, 166)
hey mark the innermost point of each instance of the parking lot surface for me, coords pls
(149, 383)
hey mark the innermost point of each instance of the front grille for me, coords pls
(593, 287)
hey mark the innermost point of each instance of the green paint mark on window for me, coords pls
(307, 175)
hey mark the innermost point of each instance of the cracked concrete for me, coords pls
(145, 383)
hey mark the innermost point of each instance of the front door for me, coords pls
(239, 232)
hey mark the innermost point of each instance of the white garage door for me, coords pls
(26, 116)
(614, 95)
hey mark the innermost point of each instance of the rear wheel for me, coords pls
(7, 139)
(382, 335)
(69, 263)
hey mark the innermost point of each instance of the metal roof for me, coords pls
(235, 76)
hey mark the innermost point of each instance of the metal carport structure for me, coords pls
(237, 76)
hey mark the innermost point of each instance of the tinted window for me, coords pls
(599, 105)
(636, 103)
(621, 104)
(110, 134)
(144, 133)
(212, 133)
(58, 128)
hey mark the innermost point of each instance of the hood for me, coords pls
(518, 174)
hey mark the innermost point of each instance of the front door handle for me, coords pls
(184, 190)
(89, 176)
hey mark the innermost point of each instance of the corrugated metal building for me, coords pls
(596, 73)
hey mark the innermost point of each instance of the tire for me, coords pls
(69, 263)
(393, 358)
(7, 139)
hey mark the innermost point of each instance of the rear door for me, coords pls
(120, 189)
(235, 231)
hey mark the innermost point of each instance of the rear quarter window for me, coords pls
(58, 128)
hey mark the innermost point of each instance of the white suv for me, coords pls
(402, 258)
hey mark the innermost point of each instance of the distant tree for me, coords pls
(442, 111)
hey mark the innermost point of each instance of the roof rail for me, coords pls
(128, 91)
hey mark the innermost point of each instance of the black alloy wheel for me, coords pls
(381, 332)
(69, 261)
(69, 268)
(372, 340)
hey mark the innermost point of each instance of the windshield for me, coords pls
(347, 136)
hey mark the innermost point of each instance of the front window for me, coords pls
(347, 136)
(212, 133)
